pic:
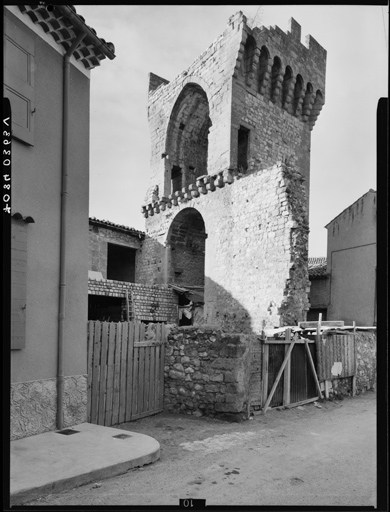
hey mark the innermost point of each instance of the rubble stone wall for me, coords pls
(207, 373)
(256, 250)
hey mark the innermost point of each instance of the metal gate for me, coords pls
(125, 371)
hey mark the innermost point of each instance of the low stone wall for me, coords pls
(207, 373)
(366, 361)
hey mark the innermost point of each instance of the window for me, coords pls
(242, 149)
(121, 263)
(18, 80)
(176, 179)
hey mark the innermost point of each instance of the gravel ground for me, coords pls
(303, 456)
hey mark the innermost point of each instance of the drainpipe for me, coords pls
(64, 195)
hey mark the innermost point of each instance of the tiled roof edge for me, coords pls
(112, 225)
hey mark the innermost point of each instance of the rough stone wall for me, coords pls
(256, 249)
(207, 373)
(34, 405)
(366, 361)
(150, 303)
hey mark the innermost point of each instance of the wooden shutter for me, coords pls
(19, 79)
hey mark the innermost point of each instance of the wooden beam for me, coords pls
(264, 374)
(325, 323)
(303, 402)
(270, 341)
(314, 369)
(287, 372)
(287, 357)
(327, 384)
(127, 306)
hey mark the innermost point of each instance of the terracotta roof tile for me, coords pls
(63, 24)
(317, 267)
(120, 227)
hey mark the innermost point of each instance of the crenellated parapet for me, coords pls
(279, 67)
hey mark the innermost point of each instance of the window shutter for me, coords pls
(19, 80)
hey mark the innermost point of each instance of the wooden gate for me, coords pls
(125, 371)
(294, 358)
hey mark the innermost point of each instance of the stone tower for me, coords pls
(227, 206)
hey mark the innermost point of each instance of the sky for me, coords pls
(166, 39)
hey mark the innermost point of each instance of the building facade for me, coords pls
(115, 292)
(351, 263)
(227, 206)
(49, 54)
(319, 289)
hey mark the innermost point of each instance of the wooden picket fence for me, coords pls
(125, 371)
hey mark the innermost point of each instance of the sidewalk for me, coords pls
(53, 462)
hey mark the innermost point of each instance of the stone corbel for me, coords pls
(201, 186)
(145, 212)
(193, 190)
(228, 176)
(210, 184)
(173, 199)
(219, 181)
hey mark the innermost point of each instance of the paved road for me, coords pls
(301, 456)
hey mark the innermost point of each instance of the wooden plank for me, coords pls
(141, 379)
(103, 374)
(162, 364)
(127, 306)
(110, 375)
(147, 343)
(270, 341)
(95, 372)
(91, 330)
(287, 372)
(327, 388)
(117, 374)
(129, 374)
(287, 357)
(264, 373)
(325, 323)
(313, 369)
(135, 390)
(152, 380)
(302, 402)
(122, 394)
(147, 378)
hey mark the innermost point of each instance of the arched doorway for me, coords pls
(187, 139)
(186, 248)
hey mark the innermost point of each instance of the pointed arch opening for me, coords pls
(186, 242)
(263, 69)
(187, 139)
(298, 95)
